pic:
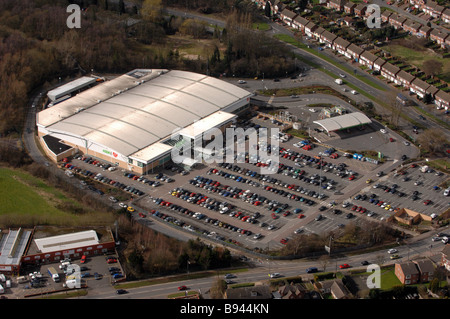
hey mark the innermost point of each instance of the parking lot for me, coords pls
(95, 272)
(236, 203)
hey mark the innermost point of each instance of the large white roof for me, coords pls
(128, 114)
(343, 121)
(67, 241)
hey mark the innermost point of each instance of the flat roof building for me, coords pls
(342, 122)
(70, 87)
(126, 119)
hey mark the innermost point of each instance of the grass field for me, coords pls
(27, 201)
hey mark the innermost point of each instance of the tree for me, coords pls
(432, 67)
(433, 141)
(152, 11)
(268, 10)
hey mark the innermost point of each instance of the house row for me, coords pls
(365, 57)
(440, 35)
(432, 9)
(414, 272)
(398, 21)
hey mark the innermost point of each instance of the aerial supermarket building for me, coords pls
(130, 121)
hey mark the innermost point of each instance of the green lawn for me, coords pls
(389, 279)
(27, 201)
(21, 193)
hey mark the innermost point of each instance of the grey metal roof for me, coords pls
(12, 246)
(343, 121)
(137, 114)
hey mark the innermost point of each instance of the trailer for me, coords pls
(53, 274)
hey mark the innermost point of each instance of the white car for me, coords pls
(275, 275)
(313, 110)
(242, 82)
(406, 143)
(123, 205)
(383, 131)
(342, 75)
(392, 251)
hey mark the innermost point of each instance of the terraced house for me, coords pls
(405, 78)
(368, 59)
(288, 16)
(439, 35)
(419, 87)
(390, 71)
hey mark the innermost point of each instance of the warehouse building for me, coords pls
(135, 120)
(13, 244)
(343, 122)
(63, 243)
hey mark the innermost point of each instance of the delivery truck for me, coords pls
(54, 274)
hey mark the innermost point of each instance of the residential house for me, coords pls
(445, 258)
(426, 269)
(360, 10)
(349, 7)
(378, 64)
(334, 287)
(408, 216)
(433, 9)
(405, 78)
(317, 33)
(411, 26)
(300, 23)
(397, 21)
(288, 16)
(277, 6)
(424, 31)
(254, 292)
(292, 291)
(439, 35)
(310, 28)
(355, 52)
(418, 4)
(442, 100)
(389, 71)
(432, 90)
(446, 15)
(336, 4)
(407, 273)
(328, 38)
(348, 21)
(341, 46)
(447, 42)
(367, 58)
(385, 16)
(419, 87)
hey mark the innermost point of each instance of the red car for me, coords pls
(427, 202)
(352, 177)
(301, 216)
(284, 241)
(286, 213)
(182, 288)
(391, 139)
(343, 266)
(111, 260)
(83, 259)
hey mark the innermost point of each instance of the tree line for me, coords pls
(148, 252)
(37, 47)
